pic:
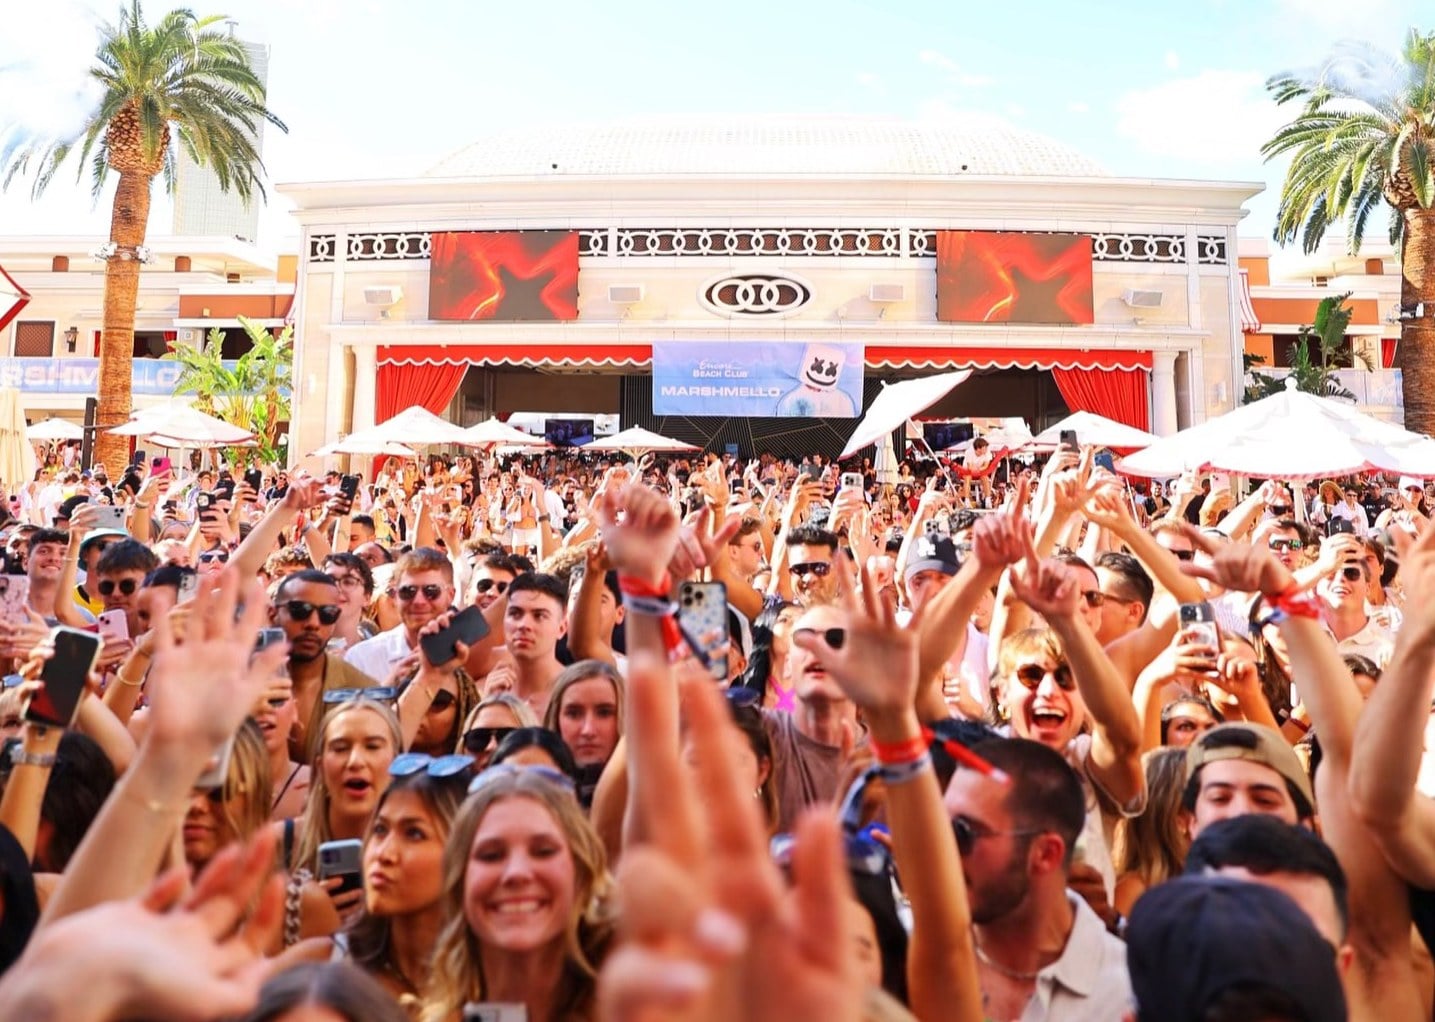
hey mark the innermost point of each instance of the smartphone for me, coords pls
(1198, 622)
(467, 627)
(702, 618)
(493, 1011)
(188, 587)
(108, 516)
(932, 527)
(113, 624)
(138, 459)
(1339, 526)
(203, 500)
(852, 481)
(14, 597)
(216, 769)
(158, 466)
(63, 677)
(268, 637)
(812, 471)
(254, 478)
(1069, 441)
(349, 487)
(343, 859)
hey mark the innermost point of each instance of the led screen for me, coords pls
(508, 276)
(995, 277)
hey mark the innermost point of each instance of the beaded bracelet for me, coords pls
(656, 601)
(901, 773)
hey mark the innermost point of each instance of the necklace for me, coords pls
(284, 790)
(986, 959)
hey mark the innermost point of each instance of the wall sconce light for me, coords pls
(72, 336)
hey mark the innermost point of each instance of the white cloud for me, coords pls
(1381, 21)
(953, 70)
(1077, 106)
(1212, 118)
(1172, 60)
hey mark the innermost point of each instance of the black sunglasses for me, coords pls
(126, 586)
(1351, 573)
(1183, 555)
(834, 637)
(1279, 510)
(212, 556)
(1032, 675)
(431, 592)
(819, 568)
(967, 836)
(299, 610)
(442, 700)
(483, 585)
(476, 740)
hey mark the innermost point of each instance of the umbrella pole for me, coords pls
(951, 484)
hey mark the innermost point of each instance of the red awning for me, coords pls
(1250, 322)
(640, 356)
(13, 298)
(914, 357)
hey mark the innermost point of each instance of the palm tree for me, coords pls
(1365, 137)
(1319, 350)
(251, 392)
(178, 82)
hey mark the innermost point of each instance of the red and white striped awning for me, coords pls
(1250, 322)
(13, 298)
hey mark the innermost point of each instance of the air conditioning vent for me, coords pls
(886, 293)
(1143, 299)
(384, 296)
(625, 294)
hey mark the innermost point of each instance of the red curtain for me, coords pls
(1119, 394)
(430, 384)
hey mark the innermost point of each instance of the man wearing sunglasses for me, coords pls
(1344, 593)
(423, 589)
(811, 551)
(120, 574)
(306, 606)
(491, 578)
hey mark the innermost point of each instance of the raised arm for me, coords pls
(249, 558)
(585, 640)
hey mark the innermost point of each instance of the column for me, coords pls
(366, 382)
(1163, 392)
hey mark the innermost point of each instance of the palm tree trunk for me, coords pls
(129, 220)
(1417, 336)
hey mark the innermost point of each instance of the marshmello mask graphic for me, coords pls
(817, 394)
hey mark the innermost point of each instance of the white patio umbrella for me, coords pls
(1094, 430)
(636, 440)
(348, 446)
(55, 429)
(493, 431)
(415, 426)
(17, 457)
(180, 426)
(885, 464)
(1290, 435)
(897, 403)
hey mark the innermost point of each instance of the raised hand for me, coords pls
(1002, 539)
(1050, 588)
(1417, 577)
(1236, 566)
(642, 543)
(304, 493)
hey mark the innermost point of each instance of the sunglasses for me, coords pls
(411, 763)
(1032, 675)
(431, 592)
(1279, 510)
(834, 637)
(819, 568)
(442, 700)
(1094, 597)
(299, 610)
(476, 740)
(967, 835)
(214, 556)
(494, 773)
(1351, 573)
(378, 693)
(483, 585)
(126, 586)
(1281, 543)
(1183, 555)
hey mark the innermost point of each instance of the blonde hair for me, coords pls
(1154, 844)
(573, 674)
(457, 975)
(314, 828)
(522, 712)
(248, 789)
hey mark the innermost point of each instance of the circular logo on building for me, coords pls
(756, 294)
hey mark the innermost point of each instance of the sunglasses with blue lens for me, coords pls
(494, 773)
(441, 766)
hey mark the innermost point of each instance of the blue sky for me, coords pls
(384, 88)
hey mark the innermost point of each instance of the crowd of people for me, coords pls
(555, 738)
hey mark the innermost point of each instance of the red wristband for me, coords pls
(899, 752)
(1293, 603)
(635, 586)
(673, 643)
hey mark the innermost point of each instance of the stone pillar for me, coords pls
(1163, 393)
(366, 381)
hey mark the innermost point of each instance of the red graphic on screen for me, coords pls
(504, 275)
(992, 277)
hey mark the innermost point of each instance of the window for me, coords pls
(35, 339)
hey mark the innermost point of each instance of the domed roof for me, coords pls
(765, 146)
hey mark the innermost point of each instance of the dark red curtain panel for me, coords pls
(431, 384)
(1119, 394)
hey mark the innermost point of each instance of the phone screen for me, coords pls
(63, 677)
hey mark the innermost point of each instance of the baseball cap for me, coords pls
(933, 553)
(1254, 743)
(1192, 939)
(1411, 483)
(97, 534)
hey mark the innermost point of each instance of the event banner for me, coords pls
(1007, 277)
(757, 380)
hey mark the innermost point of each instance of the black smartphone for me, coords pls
(63, 677)
(254, 478)
(343, 859)
(138, 459)
(349, 488)
(1200, 621)
(1069, 441)
(203, 500)
(467, 627)
(1339, 526)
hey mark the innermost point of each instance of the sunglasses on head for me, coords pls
(435, 766)
(819, 568)
(1032, 675)
(483, 585)
(431, 592)
(1282, 543)
(214, 557)
(834, 637)
(967, 835)
(490, 774)
(378, 693)
(477, 739)
(126, 586)
(299, 610)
